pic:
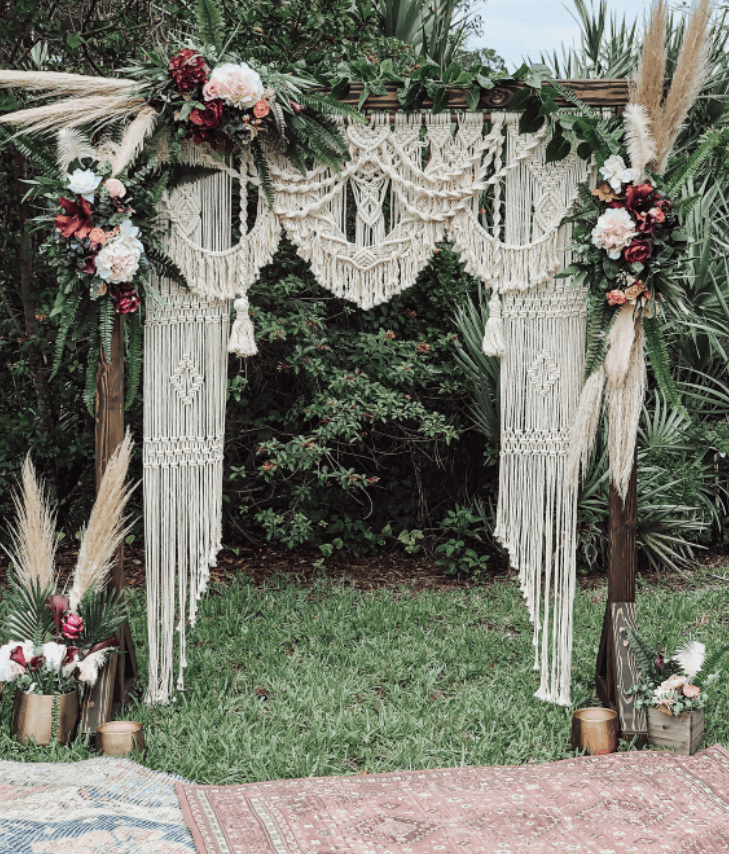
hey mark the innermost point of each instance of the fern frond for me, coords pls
(264, 174)
(134, 334)
(645, 656)
(599, 326)
(106, 325)
(165, 267)
(70, 307)
(711, 664)
(209, 24)
(34, 149)
(327, 104)
(690, 167)
(658, 357)
(91, 365)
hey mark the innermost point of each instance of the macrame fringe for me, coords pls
(242, 337)
(493, 338)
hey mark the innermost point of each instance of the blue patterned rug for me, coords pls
(100, 806)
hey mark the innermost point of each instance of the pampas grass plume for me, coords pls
(690, 658)
(134, 138)
(33, 551)
(648, 81)
(95, 111)
(639, 139)
(72, 145)
(107, 526)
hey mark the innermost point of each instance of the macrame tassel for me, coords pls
(493, 338)
(242, 337)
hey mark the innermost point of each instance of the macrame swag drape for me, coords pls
(436, 181)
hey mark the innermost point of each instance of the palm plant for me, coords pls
(428, 26)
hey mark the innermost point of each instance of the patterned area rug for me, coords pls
(100, 806)
(629, 802)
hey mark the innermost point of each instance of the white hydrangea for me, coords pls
(84, 183)
(54, 653)
(616, 173)
(614, 231)
(118, 259)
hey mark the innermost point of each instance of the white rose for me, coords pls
(84, 182)
(238, 85)
(614, 231)
(118, 259)
(616, 173)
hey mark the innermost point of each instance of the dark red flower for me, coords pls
(187, 69)
(297, 108)
(36, 663)
(644, 222)
(209, 117)
(126, 298)
(71, 655)
(75, 219)
(58, 605)
(89, 266)
(659, 661)
(640, 197)
(17, 656)
(109, 642)
(638, 252)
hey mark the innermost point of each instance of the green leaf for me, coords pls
(74, 41)
(209, 23)
(559, 147)
(364, 95)
(473, 98)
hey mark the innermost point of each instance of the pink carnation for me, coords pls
(616, 297)
(116, 189)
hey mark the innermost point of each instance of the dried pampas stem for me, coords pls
(106, 529)
(60, 84)
(639, 139)
(72, 145)
(134, 138)
(692, 70)
(648, 81)
(34, 536)
(96, 111)
(584, 427)
(620, 345)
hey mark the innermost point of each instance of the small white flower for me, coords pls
(616, 173)
(84, 182)
(54, 653)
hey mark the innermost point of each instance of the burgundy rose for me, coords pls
(187, 69)
(89, 266)
(126, 299)
(659, 661)
(36, 663)
(209, 117)
(18, 657)
(638, 252)
(72, 626)
(644, 222)
(58, 605)
(640, 197)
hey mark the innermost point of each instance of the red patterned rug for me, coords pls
(629, 802)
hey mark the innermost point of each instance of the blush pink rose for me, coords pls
(691, 691)
(613, 231)
(615, 297)
(116, 189)
(238, 85)
(673, 683)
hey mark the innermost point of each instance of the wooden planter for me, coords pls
(681, 734)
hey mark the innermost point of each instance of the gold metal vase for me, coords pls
(595, 731)
(34, 714)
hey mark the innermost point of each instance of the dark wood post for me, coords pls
(115, 680)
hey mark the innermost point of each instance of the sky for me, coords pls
(520, 28)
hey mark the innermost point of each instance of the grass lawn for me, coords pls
(292, 681)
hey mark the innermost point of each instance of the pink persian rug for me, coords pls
(629, 802)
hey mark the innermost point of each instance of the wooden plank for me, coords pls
(633, 722)
(621, 583)
(112, 684)
(681, 734)
(596, 93)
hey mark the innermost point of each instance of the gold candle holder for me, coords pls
(120, 738)
(595, 731)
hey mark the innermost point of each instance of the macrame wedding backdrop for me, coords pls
(435, 181)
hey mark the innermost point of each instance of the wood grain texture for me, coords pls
(596, 93)
(621, 583)
(633, 722)
(682, 734)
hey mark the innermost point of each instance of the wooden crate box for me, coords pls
(681, 734)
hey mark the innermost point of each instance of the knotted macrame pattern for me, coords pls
(367, 231)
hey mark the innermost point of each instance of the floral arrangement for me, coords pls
(677, 683)
(59, 640)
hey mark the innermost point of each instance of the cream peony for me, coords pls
(238, 85)
(673, 683)
(614, 231)
(616, 173)
(84, 183)
(118, 259)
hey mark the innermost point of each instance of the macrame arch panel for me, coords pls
(413, 181)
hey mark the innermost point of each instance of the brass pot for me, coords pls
(595, 731)
(120, 738)
(33, 717)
